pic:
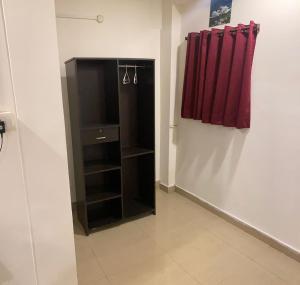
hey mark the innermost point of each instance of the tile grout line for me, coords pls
(167, 254)
(257, 263)
(236, 251)
(254, 261)
(242, 225)
(107, 276)
(219, 237)
(98, 262)
(184, 270)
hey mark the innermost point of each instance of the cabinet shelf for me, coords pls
(102, 214)
(95, 196)
(135, 208)
(98, 166)
(97, 126)
(135, 151)
(100, 223)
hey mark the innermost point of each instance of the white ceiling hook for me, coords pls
(100, 19)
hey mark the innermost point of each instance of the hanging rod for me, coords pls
(246, 29)
(132, 66)
(98, 18)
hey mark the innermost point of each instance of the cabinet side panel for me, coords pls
(74, 141)
(146, 122)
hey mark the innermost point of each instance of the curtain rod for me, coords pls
(256, 29)
(131, 66)
(98, 18)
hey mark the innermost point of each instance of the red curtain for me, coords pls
(217, 83)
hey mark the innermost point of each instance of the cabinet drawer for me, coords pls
(99, 135)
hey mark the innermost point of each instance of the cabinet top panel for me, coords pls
(106, 58)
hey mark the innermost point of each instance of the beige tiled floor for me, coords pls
(183, 244)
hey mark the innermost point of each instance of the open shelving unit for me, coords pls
(111, 130)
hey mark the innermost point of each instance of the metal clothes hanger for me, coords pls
(135, 79)
(126, 79)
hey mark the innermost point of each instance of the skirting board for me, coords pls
(243, 226)
(157, 184)
(166, 188)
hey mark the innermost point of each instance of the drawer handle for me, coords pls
(101, 138)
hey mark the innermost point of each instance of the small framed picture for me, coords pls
(220, 12)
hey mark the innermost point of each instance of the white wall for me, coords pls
(131, 29)
(170, 38)
(165, 89)
(253, 175)
(36, 240)
(16, 250)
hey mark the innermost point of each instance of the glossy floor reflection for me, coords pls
(183, 244)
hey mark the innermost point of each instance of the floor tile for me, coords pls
(252, 276)
(279, 264)
(175, 218)
(168, 274)
(89, 271)
(114, 239)
(126, 259)
(189, 234)
(269, 258)
(83, 249)
(103, 281)
(236, 237)
(219, 264)
(183, 244)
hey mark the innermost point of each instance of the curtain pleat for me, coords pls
(190, 76)
(217, 83)
(222, 84)
(200, 75)
(244, 110)
(235, 82)
(211, 75)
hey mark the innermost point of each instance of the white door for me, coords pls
(36, 232)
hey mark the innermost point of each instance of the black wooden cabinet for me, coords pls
(112, 134)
